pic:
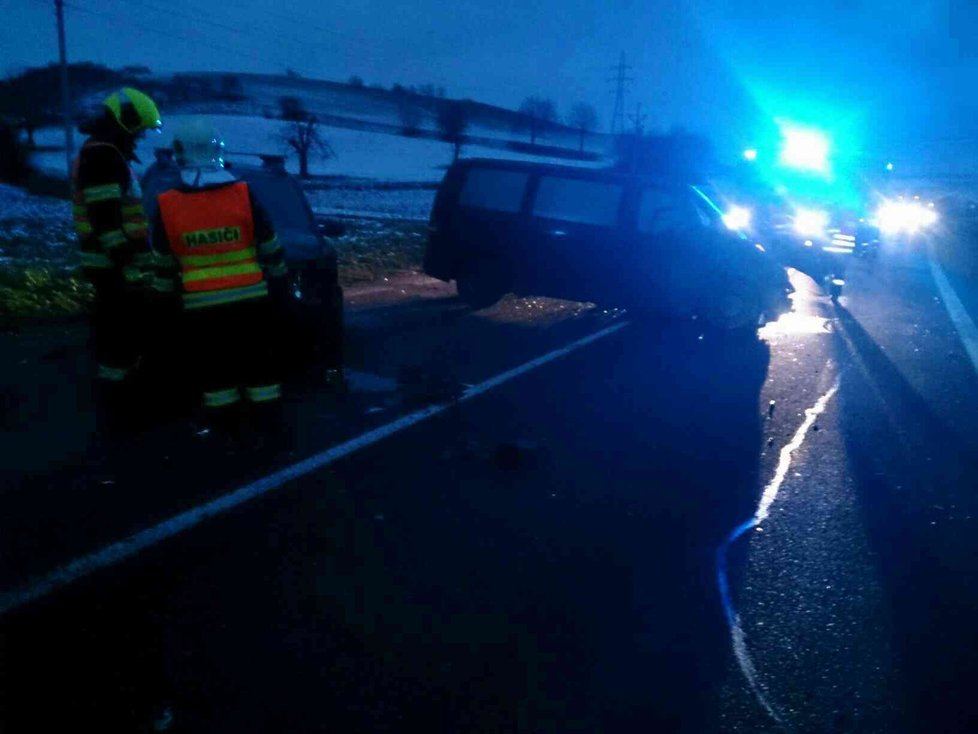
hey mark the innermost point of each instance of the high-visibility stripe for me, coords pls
(196, 261)
(112, 374)
(113, 238)
(270, 247)
(217, 298)
(191, 276)
(83, 228)
(135, 230)
(278, 270)
(163, 285)
(79, 211)
(107, 192)
(137, 275)
(220, 398)
(264, 393)
(95, 260)
(133, 210)
(144, 259)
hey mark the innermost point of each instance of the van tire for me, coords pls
(482, 283)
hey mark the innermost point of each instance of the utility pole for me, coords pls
(621, 80)
(59, 9)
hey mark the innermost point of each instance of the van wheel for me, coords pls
(733, 307)
(482, 284)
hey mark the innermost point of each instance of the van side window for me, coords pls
(500, 191)
(661, 211)
(578, 200)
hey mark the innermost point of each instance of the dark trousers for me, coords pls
(118, 329)
(233, 353)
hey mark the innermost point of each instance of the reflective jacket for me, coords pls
(109, 219)
(218, 242)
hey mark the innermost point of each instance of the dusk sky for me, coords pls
(893, 67)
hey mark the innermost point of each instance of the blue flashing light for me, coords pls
(804, 149)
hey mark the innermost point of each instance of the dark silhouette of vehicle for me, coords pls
(313, 320)
(648, 244)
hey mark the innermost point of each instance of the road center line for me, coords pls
(959, 314)
(122, 550)
(738, 638)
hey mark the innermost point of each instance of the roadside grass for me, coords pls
(39, 283)
(39, 295)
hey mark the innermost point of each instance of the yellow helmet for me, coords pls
(133, 110)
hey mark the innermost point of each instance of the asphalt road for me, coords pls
(542, 556)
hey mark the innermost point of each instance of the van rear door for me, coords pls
(484, 222)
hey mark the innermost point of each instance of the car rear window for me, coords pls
(578, 200)
(662, 210)
(500, 191)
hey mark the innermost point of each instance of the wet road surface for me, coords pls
(541, 557)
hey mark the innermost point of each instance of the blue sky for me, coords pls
(894, 67)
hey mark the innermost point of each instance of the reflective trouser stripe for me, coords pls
(231, 295)
(220, 398)
(264, 393)
(136, 230)
(133, 210)
(113, 238)
(95, 260)
(108, 192)
(144, 259)
(136, 275)
(112, 374)
(83, 229)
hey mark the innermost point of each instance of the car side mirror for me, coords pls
(331, 228)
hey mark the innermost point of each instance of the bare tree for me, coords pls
(584, 119)
(453, 121)
(411, 117)
(304, 137)
(537, 113)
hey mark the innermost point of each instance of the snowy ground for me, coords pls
(35, 230)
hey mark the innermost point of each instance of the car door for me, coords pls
(666, 251)
(575, 222)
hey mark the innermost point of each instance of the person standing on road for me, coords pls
(113, 237)
(218, 247)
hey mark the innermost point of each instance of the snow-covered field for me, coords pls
(358, 154)
(35, 230)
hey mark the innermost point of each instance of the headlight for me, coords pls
(811, 222)
(738, 218)
(894, 217)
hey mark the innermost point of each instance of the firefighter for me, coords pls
(218, 246)
(112, 234)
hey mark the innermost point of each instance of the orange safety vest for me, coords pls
(212, 234)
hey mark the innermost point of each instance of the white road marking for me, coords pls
(124, 549)
(959, 314)
(738, 639)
